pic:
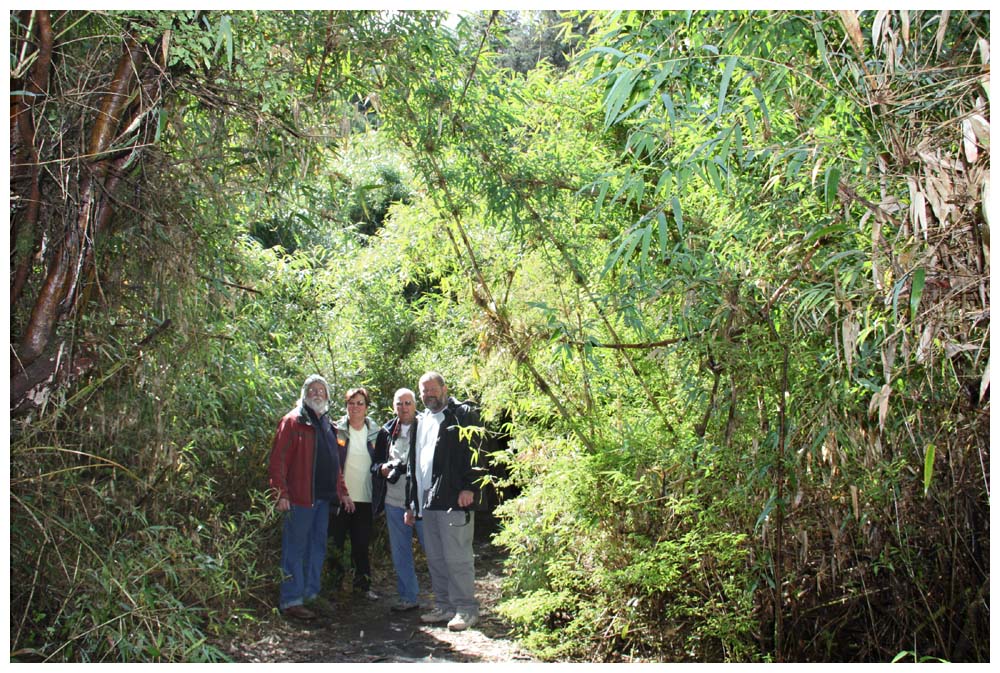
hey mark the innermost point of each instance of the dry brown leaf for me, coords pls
(951, 349)
(984, 385)
(926, 339)
(918, 209)
(850, 332)
(942, 29)
(883, 407)
(874, 402)
(940, 194)
(850, 20)
(888, 358)
(986, 220)
(981, 127)
(877, 27)
(969, 142)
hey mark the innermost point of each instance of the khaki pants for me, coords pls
(448, 547)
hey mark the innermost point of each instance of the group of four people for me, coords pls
(338, 477)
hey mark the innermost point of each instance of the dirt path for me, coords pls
(363, 631)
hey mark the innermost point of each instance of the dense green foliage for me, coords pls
(721, 277)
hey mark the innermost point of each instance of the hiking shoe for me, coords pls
(461, 622)
(367, 593)
(299, 612)
(404, 606)
(436, 616)
(320, 604)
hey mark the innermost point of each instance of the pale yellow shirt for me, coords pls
(357, 470)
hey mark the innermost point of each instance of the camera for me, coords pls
(397, 468)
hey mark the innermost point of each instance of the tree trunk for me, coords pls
(123, 106)
(26, 235)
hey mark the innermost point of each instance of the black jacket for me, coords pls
(381, 456)
(454, 468)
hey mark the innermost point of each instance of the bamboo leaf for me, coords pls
(713, 173)
(916, 290)
(664, 72)
(724, 85)
(666, 179)
(161, 124)
(647, 236)
(830, 185)
(629, 242)
(766, 512)
(725, 147)
(795, 164)
(668, 103)
(675, 204)
(230, 49)
(628, 113)
(619, 94)
(661, 220)
(633, 242)
(928, 467)
(826, 231)
(820, 42)
(600, 198)
(763, 105)
(604, 50)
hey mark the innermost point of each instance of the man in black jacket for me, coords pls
(393, 449)
(441, 491)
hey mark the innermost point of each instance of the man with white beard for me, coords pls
(307, 480)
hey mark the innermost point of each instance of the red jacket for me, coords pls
(293, 459)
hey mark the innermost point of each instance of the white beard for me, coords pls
(319, 406)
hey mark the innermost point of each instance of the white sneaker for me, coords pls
(461, 622)
(435, 616)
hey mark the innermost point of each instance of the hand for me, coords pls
(284, 505)
(348, 504)
(465, 498)
(408, 518)
(385, 469)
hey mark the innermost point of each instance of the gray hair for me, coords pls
(313, 378)
(402, 391)
(433, 376)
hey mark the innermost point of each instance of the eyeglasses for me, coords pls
(404, 403)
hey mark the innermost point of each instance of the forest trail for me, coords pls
(363, 631)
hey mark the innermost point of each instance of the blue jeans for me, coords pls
(303, 550)
(401, 546)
